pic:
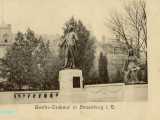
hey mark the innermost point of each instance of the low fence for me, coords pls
(29, 96)
(93, 93)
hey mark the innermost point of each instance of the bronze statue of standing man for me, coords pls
(70, 48)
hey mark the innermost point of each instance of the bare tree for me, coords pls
(131, 26)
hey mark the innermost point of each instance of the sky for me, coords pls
(49, 16)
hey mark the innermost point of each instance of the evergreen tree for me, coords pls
(103, 70)
(28, 62)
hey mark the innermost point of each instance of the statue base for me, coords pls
(71, 85)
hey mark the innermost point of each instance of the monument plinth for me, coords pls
(71, 85)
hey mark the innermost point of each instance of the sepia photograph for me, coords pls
(73, 51)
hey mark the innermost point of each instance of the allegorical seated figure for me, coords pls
(69, 45)
(131, 68)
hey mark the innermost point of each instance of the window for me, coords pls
(5, 37)
(76, 82)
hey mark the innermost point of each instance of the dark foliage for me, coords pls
(103, 70)
(29, 62)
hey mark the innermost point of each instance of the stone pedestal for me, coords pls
(71, 85)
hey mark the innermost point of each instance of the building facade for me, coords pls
(6, 39)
